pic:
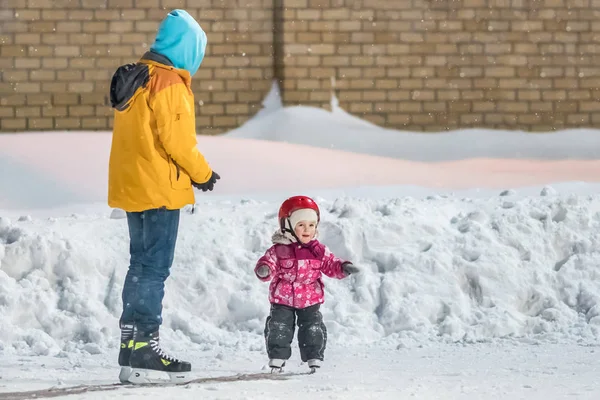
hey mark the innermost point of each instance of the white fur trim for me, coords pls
(282, 238)
(303, 214)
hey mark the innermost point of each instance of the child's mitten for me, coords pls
(263, 271)
(350, 269)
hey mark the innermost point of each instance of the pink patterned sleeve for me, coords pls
(270, 260)
(332, 265)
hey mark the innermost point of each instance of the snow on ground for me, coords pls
(479, 273)
(57, 170)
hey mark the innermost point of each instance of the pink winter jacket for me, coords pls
(296, 272)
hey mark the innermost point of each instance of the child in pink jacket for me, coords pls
(295, 264)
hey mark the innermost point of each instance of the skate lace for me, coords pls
(156, 347)
(127, 332)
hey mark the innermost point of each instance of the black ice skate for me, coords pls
(125, 352)
(150, 364)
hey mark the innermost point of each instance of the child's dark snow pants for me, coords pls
(279, 332)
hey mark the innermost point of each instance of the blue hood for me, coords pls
(181, 39)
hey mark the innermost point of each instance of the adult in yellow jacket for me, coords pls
(154, 162)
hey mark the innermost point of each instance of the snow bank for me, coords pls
(440, 268)
(340, 130)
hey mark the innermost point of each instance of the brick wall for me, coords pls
(446, 64)
(57, 58)
(408, 64)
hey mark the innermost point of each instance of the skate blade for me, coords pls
(144, 376)
(124, 374)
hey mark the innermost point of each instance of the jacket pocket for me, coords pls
(180, 180)
(287, 264)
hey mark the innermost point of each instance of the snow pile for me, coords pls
(342, 131)
(440, 268)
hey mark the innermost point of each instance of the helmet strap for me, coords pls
(284, 229)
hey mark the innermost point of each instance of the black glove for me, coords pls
(349, 269)
(208, 185)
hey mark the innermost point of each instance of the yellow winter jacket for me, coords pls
(153, 156)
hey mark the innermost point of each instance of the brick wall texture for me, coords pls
(422, 65)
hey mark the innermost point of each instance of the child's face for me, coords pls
(305, 231)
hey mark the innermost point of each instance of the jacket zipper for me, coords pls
(294, 282)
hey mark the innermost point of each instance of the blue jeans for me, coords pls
(152, 236)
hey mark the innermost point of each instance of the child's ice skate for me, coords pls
(276, 365)
(314, 364)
